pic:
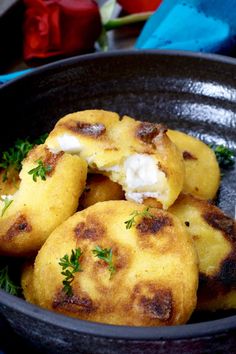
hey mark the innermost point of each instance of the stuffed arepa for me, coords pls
(214, 236)
(99, 188)
(202, 172)
(50, 187)
(137, 155)
(120, 263)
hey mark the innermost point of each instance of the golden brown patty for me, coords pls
(27, 280)
(214, 235)
(156, 274)
(137, 155)
(99, 188)
(202, 172)
(38, 207)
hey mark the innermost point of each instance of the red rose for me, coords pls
(60, 27)
(135, 6)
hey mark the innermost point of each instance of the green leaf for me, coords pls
(7, 284)
(106, 10)
(132, 222)
(13, 157)
(72, 266)
(103, 41)
(225, 156)
(40, 171)
(7, 202)
(105, 254)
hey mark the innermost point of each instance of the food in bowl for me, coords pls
(149, 163)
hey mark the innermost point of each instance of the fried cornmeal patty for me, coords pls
(214, 235)
(202, 172)
(27, 280)
(149, 278)
(99, 188)
(137, 155)
(38, 207)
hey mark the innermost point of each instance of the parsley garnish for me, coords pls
(7, 284)
(7, 202)
(41, 139)
(74, 266)
(224, 155)
(145, 213)
(105, 254)
(40, 171)
(13, 157)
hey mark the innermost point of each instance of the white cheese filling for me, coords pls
(140, 197)
(140, 171)
(67, 143)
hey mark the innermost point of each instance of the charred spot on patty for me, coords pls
(153, 224)
(20, 225)
(188, 156)
(221, 222)
(159, 306)
(91, 230)
(228, 272)
(222, 282)
(93, 130)
(52, 160)
(148, 131)
(74, 303)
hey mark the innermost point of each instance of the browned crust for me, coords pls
(21, 225)
(147, 131)
(93, 130)
(153, 225)
(73, 304)
(159, 306)
(188, 156)
(92, 229)
(52, 160)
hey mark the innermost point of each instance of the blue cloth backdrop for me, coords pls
(195, 25)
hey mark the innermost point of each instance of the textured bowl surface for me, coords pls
(190, 92)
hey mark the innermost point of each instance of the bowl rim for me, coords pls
(95, 329)
(118, 332)
(119, 53)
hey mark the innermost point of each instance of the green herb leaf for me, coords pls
(145, 213)
(70, 266)
(105, 254)
(7, 202)
(7, 284)
(103, 41)
(40, 171)
(41, 139)
(224, 155)
(13, 157)
(106, 10)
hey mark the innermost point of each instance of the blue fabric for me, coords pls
(7, 77)
(195, 25)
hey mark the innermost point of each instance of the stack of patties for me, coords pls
(122, 262)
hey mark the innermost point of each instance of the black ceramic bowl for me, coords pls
(190, 92)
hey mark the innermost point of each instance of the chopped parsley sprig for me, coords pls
(70, 266)
(7, 284)
(40, 171)
(7, 202)
(224, 155)
(105, 254)
(13, 157)
(132, 222)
